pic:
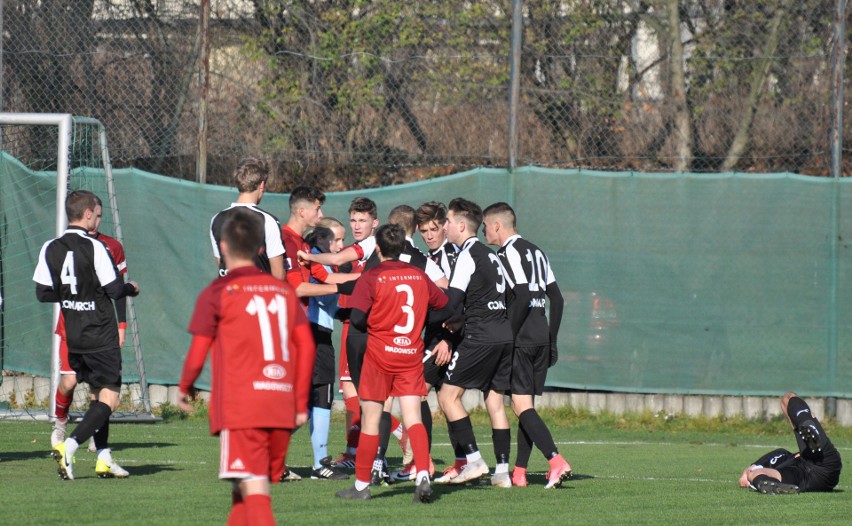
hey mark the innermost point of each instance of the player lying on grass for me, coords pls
(816, 467)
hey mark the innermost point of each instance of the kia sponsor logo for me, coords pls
(274, 372)
(402, 341)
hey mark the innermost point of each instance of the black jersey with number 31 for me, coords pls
(78, 268)
(479, 273)
(529, 267)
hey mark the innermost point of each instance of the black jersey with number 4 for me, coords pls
(479, 273)
(78, 267)
(529, 267)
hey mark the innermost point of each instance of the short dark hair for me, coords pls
(403, 215)
(365, 205)
(243, 232)
(470, 211)
(501, 209)
(307, 194)
(249, 173)
(78, 201)
(390, 240)
(320, 237)
(431, 211)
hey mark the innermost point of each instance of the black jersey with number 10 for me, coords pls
(529, 267)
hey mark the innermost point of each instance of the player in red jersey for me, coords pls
(107, 467)
(262, 361)
(363, 220)
(391, 302)
(305, 210)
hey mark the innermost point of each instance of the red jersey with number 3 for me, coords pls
(263, 352)
(396, 297)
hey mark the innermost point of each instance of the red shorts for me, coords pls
(343, 362)
(64, 366)
(378, 386)
(253, 453)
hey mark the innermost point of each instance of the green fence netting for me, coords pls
(680, 283)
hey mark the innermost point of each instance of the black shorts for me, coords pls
(324, 364)
(529, 369)
(356, 348)
(433, 374)
(483, 366)
(98, 369)
(811, 475)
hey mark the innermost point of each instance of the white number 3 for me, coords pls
(406, 309)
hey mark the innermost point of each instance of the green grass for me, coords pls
(642, 469)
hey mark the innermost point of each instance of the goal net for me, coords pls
(42, 158)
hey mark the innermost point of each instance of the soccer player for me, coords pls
(363, 220)
(431, 220)
(391, 302)
(816, 466)
(533, 283)
(76, 271)
(105, 467)
(262, 360)
(404, 216)
(250, 177)
(305, 211)
(483, 358)
(327, 237)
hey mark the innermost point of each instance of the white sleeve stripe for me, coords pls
(104, 267)
(274, 245)
(514, 259)
(462, 271)
(42, 273)
(213, 239)
(433, 270)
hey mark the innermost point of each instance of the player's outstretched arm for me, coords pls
(118, 288)
(358, 319)
(332, 259)
(192, 366)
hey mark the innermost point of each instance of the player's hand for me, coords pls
(744, 478)
(135, 288)
(301, 419)
(454, 323)
(304, 257)
(185, 403)
(442, 353)
(554, 355)
(122, 332)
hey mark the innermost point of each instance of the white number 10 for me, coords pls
(258, 307)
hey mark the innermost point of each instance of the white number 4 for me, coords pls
(67, 275)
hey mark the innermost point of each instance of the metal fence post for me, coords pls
(515, 79)
(203, 88)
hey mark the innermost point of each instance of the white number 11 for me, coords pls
(258, 307)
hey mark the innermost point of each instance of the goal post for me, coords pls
(42, 156)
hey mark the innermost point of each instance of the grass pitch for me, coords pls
(642, 469)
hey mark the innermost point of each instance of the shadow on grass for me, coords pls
(124, 446)
(24, 455)
(151, 469)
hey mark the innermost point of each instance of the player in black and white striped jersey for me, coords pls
(250, 179)
(431, 219)
(532, 283)
(483, 358)
(76, 271)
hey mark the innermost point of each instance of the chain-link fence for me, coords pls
(367, 93)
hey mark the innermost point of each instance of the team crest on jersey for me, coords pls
(381, 279)
(231, 289)
(402, 341)
(274, 371)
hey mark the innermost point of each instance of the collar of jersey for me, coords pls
(77, 230)
(511, 238)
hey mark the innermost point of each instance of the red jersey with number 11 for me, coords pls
(396, 297)
(263, 351)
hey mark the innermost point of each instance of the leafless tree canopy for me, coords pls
(363, 93)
